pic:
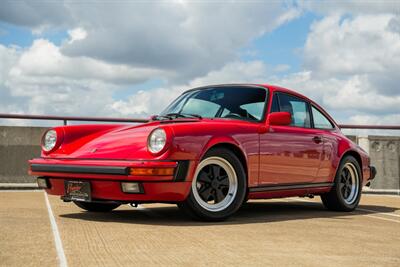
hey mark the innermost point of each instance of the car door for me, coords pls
(290, 154)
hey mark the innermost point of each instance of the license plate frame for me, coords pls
(78, 190)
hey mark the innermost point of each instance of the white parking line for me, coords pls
(379, 212)
(383, 195)
(62, 260)
(365, 210)
(381, 218)
(19, 190)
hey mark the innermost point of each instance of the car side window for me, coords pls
(297, 107)
(320, 121)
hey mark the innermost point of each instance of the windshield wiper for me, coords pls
(183, 115)
(171, 116)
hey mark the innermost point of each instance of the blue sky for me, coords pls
(283, 46)
(24, 37)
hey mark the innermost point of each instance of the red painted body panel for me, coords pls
(111, 190)
(288, 155)
(272, 155)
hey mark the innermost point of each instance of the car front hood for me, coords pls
(117, 142)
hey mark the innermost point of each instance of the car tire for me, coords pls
(218, 187)
(96, 207)
(346, 191)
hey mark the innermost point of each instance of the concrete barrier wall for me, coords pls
(19, 144)
(385, 156)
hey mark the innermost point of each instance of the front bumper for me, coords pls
(105, 177)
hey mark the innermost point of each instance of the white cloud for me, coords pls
(375, 120)
(8, 57)
(43, 60)
(351, 67)
(154, 101)
(42, 80)
(343, 98)
(282, 68)
(35, 14)
(360, 45)
(76, 35)
(187, 38)
(352, 6)
(111, 46)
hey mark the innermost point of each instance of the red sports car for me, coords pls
(211, 150)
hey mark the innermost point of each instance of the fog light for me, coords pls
(43, 183)
(131, 187)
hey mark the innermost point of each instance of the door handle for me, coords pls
(317, 139)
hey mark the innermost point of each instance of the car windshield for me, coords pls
(235, 102)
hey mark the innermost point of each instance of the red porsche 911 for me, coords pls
(209, 151)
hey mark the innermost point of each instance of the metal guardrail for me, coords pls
(65, 119)
(373, 127)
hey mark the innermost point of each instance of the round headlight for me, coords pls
(157, 140)
(49, 140)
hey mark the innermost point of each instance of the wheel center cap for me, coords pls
(214, 183)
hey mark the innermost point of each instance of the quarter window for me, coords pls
(320, 121)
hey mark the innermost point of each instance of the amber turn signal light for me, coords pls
(152, 171)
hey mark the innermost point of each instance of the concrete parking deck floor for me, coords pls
(282, 232)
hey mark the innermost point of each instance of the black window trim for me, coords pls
(272, 101)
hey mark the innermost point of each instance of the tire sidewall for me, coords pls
(352, 206)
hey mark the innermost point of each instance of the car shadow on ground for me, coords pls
(252, 212)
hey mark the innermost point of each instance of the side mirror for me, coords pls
(279, 118)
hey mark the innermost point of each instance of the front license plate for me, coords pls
(78, 190)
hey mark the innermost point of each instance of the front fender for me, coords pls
(220, 140)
